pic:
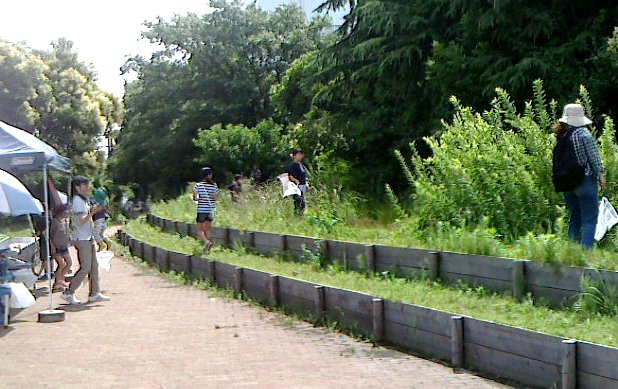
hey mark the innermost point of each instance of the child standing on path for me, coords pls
(60, 242)
(206, 194)
(100, 197)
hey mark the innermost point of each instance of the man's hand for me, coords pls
(602, 181)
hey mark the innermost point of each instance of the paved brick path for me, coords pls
(158, 334)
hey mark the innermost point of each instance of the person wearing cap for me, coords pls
(206, 194)
(582, 202)
(83, 236)
(60, 242)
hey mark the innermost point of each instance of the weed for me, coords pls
(597, 296)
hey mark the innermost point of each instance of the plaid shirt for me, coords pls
(586, 151)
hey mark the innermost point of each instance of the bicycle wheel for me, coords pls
(38, 267)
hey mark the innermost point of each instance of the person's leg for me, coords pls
(99, 234)
(208, 235)
(575, 217)
(201, 232)
(60, 271)
(84, 257)
(68, 263)
(95, 279)
(299, 204)
(588, 196)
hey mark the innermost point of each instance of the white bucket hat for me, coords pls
(573, 115)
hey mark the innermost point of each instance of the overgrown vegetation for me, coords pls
(337, 216)
(474, 302)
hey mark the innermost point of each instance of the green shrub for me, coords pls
(494, 169)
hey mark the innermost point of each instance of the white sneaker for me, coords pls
(70, 298)
(98, 297)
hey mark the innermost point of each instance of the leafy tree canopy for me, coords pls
(214, 68)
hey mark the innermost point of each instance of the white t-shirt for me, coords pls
(82, 231)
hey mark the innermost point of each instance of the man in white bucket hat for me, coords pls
(582, 201)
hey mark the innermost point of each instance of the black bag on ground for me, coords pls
(567, 173)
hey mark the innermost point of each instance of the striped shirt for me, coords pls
(206, 193)
(586, 151)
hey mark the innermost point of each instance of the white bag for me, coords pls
(606, 220)
(105, 258)
(289, 188)
(20, 296)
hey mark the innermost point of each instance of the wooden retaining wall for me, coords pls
(554, 283)
(527, 357)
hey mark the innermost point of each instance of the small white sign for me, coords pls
(20, 161)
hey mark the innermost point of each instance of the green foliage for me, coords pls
(214, 69)
(495, 169)
(54, 94)
(237, 149)
(597, 296)
(387, 80)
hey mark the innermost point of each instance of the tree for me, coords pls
(389, 76)
(24, 87)
(214, 68)
(54, 95)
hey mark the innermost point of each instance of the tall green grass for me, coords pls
(334, 216)
(474, 302)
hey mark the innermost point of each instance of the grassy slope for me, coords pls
(471, 302)
(328, 218)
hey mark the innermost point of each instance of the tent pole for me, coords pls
(48, 238)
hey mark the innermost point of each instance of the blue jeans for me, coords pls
(583, 205)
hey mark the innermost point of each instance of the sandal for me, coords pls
(58, 288)
(209, 245)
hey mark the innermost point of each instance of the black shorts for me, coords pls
(205, 217)
(62, 251)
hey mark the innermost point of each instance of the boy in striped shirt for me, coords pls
(206, 194)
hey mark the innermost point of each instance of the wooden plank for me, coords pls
(218, 234)
(597, 360)
(182, 228)
(149, 254)
(421, 318)
(350, 308)
(340, 249)
(555, 296)
(161, 259)
(557, 277)
(241, 236)
(179, 262)
(193, 231)
(591, 381)
(295, 243)
(297, 304)
(423, 342)
(256, 284)
(387, 256)
(298, 288)
(200, 268)
(525, 343)
(267, 239)
(489, 283)
(169, 225)
(476, 265)
(401, 271)
(503, 364)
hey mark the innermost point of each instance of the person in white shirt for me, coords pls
(83, 236)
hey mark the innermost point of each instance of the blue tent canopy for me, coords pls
(21, 151)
